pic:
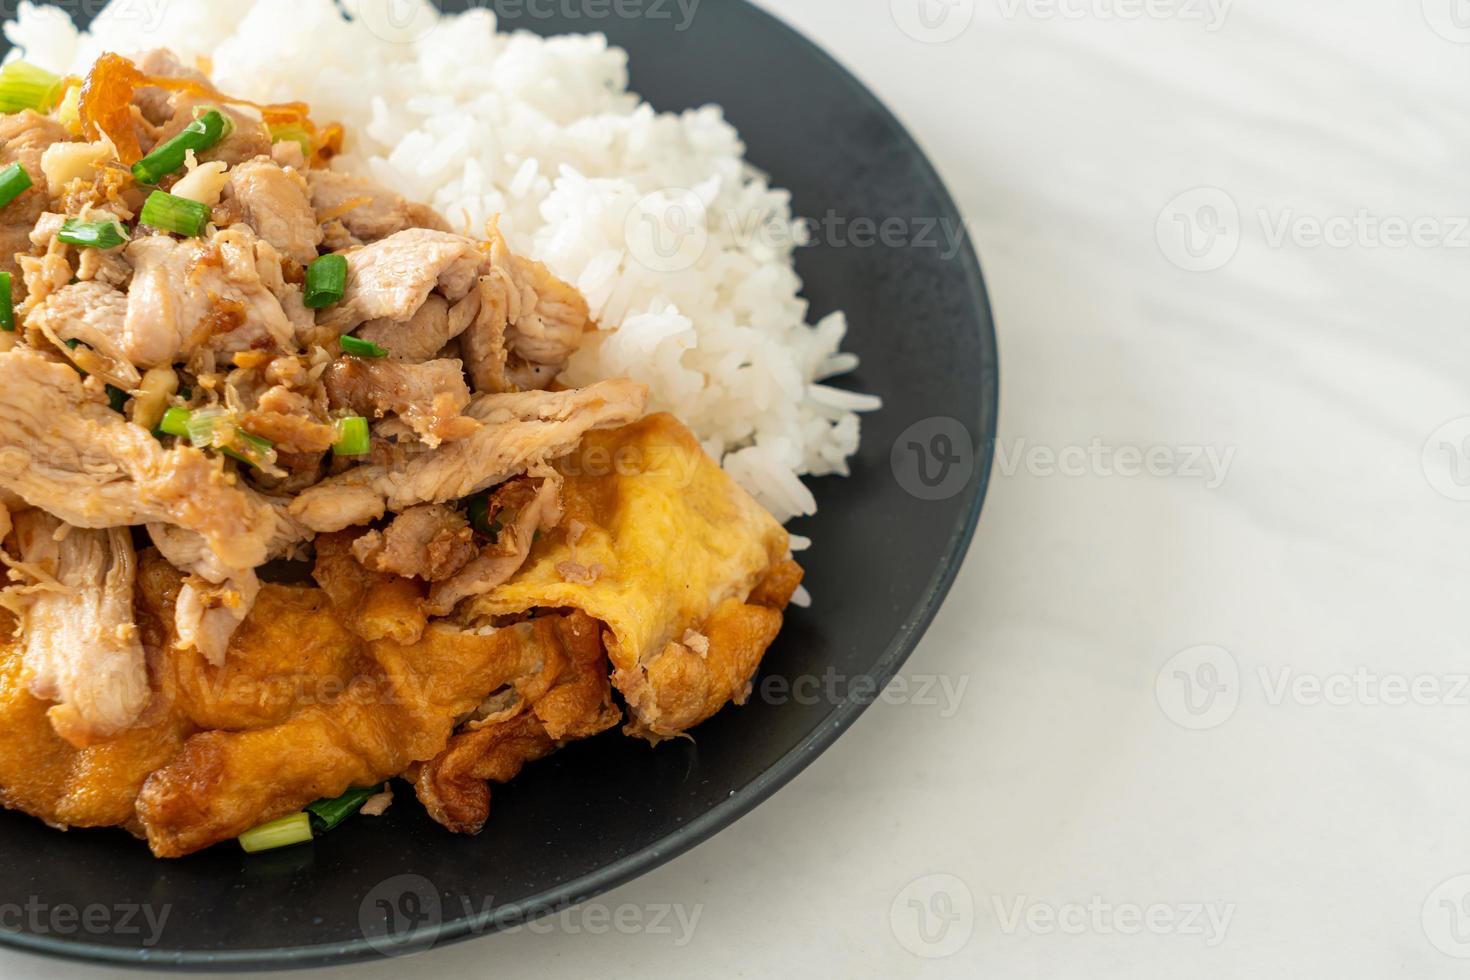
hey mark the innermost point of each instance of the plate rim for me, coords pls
(724, 814)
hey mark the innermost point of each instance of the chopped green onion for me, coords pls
(14, 181)
(24, 86)
(7, 304)
(293, 133)
(72, 344)
(175, 422)
(329, 814)
(199, 135)
(361, 348)
(250, 448)
(93, 234)
(201, 424)
(117, 398)
(202, 427)
(295, 829)
(353, 438)
(176, 214)
(326, 281)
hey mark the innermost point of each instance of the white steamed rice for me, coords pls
(583, 175)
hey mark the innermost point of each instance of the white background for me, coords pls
(1098, 613)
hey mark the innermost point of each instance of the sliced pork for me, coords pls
(276, 204)
(428, 397)
(82, 648)
(24, 136)
(367, 211)
(528, 325)
(62, 448)
(520, 508)
(392, 278)
(431, 542)
(424, 335)
(206, 293)
(518, 431)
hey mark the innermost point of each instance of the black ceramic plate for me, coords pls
(889, 540)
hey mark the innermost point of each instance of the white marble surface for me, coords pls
(1094, 834)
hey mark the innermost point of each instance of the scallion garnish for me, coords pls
(198, 136)
(293, 132)
(250, 448)
(117, 398)
(7, 304)
(14, 181)
(93, 234)
(295, 829)
(353, 438)
(361, 348)
(176, 214)
(329, 814)
(326, 281)
(24, 86)
(175, 422)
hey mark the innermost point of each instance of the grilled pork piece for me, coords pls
(429, 397)
(518, 432)
(81, 646)
(63, 449)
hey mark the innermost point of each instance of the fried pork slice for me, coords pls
(391, 279)
(689, 573)
(24, 136)
(522, 508)
(386, 707)
(528, 325)
(427, 332)
(569, 699)
(276, 203)
(82, 649)
(96, 314)
(224, 293)
(368, 211)
(290, 420)
(430, 542)
(214, 600)
(518, 432)
(429, 397)
(64, 450)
